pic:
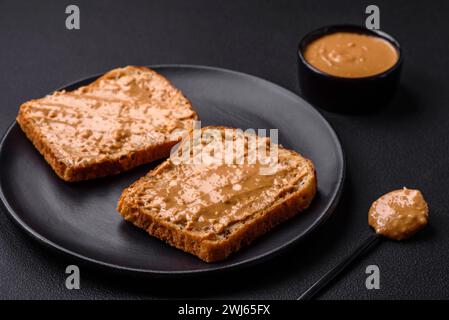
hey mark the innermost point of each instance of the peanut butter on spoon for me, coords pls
(399, 214)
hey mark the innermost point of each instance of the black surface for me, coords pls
(81, 219)
(404, 144)
(321, 284)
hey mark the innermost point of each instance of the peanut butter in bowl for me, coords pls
(351, 55)
(349, 68)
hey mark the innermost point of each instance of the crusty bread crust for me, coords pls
(95, 170)
(216, 250)
(104, 167)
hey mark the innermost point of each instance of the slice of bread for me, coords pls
(125, 118)
(213, 209)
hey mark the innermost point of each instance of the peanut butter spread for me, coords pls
(209, 199)
(399, 214)
(351, 55)
(125, 111)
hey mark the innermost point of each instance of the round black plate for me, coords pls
(80, 218)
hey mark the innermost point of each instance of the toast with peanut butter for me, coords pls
(125, 118)
(213, 208)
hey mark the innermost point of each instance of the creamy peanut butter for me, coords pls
(209, 198)
(399, 214)
(351, 55)
(111, 118)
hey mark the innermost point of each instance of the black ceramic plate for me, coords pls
(80, 218)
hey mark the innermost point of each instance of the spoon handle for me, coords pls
(369, 243)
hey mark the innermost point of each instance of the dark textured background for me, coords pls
(403, 145)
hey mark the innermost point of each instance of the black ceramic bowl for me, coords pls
(354, 95)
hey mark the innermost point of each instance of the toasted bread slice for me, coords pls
(125, 118)
(213, 209)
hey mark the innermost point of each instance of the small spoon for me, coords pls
(396, 215)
